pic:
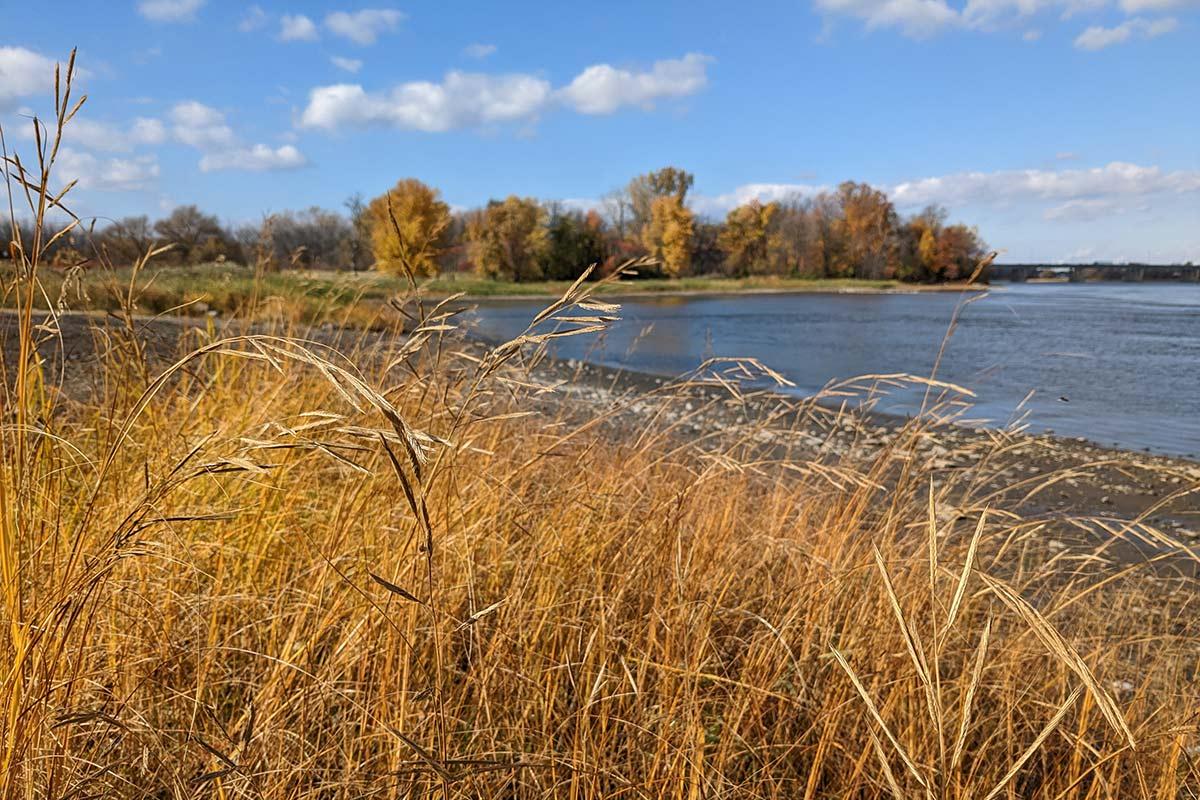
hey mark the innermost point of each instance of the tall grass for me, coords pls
(281, 566)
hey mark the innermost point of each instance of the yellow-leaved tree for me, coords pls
(408, 228)
(668, 234)
(509, 239)
(746, 237)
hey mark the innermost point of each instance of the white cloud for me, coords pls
(1142, 6)
(105, 136)
(258, 158)
(170, 10)
(991, 15)
(147, 130)
(465, 99)
(479, 50)
(602, 89)
(1064, 195)
(365, 26)
(113, 174)
(1098, 37)
(762, 192)
(461, 100)
(297, 28)
(206, 129)
(254, 19)
(200, 126)
(1082, 209)
(919, 19)
(1112, 180)
(347, 64)
(916, 18)
(23, 73)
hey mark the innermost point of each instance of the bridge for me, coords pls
(1095, 272)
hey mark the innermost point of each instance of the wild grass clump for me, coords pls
(287, 565)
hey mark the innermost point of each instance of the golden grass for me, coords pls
(394, 566)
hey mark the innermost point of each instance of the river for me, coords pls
(1115, 363)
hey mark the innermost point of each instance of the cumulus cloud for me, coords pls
(257, 158)
(206, 129)
(923, 18)
(200, 126)
(346, 64)
(1143, 6)
(169, 10)
(112, 174)
(461, 100)
(479, 50)
(1112, 180)
(365, 26)
(23, 73)
(602, 89)
(107, 137)
(916, 18)
(1098, 37)
(762, 192)
(466, 99)
(1064, 195)
(297, 28)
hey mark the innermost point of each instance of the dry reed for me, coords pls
(391, 566)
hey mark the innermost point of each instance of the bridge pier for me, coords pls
(1133, 274)
(1075, 275)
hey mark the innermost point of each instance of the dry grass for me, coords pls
(279, 569)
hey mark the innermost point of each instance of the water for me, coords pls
(1118, 364)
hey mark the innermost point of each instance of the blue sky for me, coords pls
(1066, 130)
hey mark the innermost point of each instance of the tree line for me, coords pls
(851, 232)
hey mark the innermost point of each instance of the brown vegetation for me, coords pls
(275, 568)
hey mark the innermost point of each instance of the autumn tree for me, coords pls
(797, 246)
(668, 234)
(959, 250)
(866, 230)
(408, 225)
(745, 237)
(645, 189)
(509, 239)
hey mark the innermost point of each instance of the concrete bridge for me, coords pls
(1095, 272)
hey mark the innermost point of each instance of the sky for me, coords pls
(1065, 130)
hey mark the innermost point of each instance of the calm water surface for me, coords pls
(1123, 358)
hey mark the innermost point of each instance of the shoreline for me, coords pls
(617, 293)
(1083, 478)
(1126, 490)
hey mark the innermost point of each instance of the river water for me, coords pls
(1116, 363)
